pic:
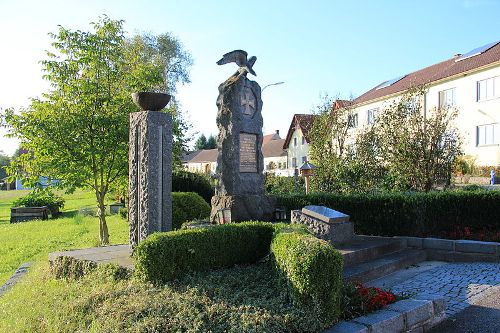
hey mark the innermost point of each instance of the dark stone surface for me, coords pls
(483, 316)
(150, 174)
(240, 163)
(335, 232)
(150, 101)
(325, 214)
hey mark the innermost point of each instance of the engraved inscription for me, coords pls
(248, 152)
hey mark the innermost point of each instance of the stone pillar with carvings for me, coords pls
(150, 168)
(240, 163)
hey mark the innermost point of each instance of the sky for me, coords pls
(316, 47)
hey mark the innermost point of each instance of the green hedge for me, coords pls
(184, 181)
(167, 256)
(311, 269)
(187, 206)
(408, 214)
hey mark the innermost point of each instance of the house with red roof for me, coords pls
(469, 82)
(297, 141)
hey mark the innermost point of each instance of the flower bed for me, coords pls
(359, 300)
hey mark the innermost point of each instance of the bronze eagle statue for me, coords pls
(240, 58)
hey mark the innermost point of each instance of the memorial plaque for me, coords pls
(248, 152)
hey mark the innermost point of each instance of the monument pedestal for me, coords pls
(325, 223)
(150, 174)
(244, 207)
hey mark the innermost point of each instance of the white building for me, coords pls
(297, 141)
(470, 82)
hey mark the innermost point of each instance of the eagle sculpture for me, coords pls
(240, 58)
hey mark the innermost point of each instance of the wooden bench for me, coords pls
(20, 214)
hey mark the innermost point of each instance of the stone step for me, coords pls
(384, 265)
(365, 248)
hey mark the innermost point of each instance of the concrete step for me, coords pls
(365, 248)
(384, 265)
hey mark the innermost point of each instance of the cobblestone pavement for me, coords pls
(459, 283)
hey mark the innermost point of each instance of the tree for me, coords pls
(418, 148)
(339, 168)
(4, 161)
(78, 132)
(201, 142)
(211, 142)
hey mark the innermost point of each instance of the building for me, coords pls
(275, 161)
(297, 141)
(202, 161)
(275, 157)
(470, 82)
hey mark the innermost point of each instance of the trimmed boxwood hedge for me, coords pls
(169, 255)
(310, 269)
(187, 206)
(408, 214)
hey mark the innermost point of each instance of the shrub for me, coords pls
(184, 181)
(311, 269)
(39, 198)
(123, 213)
(170, 255)
(408, 214)
(187, 206)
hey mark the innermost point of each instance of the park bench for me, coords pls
(20, 214)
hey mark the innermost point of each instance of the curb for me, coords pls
(418, 314)
(18, 275)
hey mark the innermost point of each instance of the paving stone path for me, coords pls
(459, 283)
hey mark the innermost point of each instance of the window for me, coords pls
(303, 140)
(295, 142)
(488, 89)
(294, 162)
(304, 159)
(412, 105)
(372, 115)
(447, 98)
(352, 120)
(488, 135)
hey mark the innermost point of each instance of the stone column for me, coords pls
(150, 174)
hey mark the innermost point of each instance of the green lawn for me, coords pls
(32, 241)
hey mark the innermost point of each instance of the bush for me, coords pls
(408, 214)
(39, 198)
(311, 269)
(187, 206)
(170, 255)
(283, 185)
(184, 181)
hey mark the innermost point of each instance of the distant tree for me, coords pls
(201, 142)
(78, 131)
(4, 161)
(211, 142)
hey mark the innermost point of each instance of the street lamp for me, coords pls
(271, 84)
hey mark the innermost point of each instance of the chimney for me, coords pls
(457, 55)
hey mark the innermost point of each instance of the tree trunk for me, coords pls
(103, 227)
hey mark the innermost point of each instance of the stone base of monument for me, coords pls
(243, 207)
(325, 223)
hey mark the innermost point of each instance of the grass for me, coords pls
(240, 299)
(33, 240)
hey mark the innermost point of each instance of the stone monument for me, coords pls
(150, 167)
(240, 163)
(325, 223)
